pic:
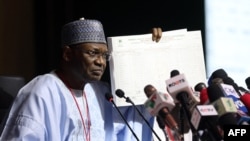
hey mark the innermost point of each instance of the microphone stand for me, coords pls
(162, 126)
(109, 97)
(182, 120)
(125, 121)
(130, 101)
(182, 97)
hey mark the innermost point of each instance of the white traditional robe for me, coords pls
(44, 110)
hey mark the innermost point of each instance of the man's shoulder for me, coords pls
(44, 79)
(41, 81)
(40, 86)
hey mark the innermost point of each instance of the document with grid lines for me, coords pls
(138, 61)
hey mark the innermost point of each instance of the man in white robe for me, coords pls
(69, 104)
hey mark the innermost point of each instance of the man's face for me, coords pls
(89, 61)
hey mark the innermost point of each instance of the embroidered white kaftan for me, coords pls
(45, 110)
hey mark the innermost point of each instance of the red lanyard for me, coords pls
(169, 132)
(86, 127)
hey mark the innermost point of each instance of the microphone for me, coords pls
(230, 81)
(247, 81)
(181, 92)
(161, 124)
(241, 110)
(219, 73)
(200, 113)
(246, 100)
(174, 73)
(240, 90)
(109, 97)
(233, 91)
(178, 112)
(159, 104)
(230, 91)
(224, 105)
(201, 87)
(206, 114)
(203, 118)
(220, 76)
(121, 94)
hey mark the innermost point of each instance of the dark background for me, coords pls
(118, 18)
(37, 36)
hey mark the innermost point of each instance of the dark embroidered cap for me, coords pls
(82, 31)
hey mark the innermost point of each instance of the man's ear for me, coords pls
(67, 53)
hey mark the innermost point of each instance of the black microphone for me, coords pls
(247, 81)
(240, 90)
(181, 92)
(231, 89)
(219, 73)
(204, 118)
(109, 97)
(121, 94)
(205, 115)
(174, 73)
(224, 105)
(161, 124)
(220, 76)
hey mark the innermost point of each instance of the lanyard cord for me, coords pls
(169, 132)
(86, 129)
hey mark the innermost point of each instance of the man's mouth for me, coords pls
(97, 72)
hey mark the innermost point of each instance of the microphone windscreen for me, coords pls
(203, 96)
(119, 93)
(109, 96)
(248, 82)
(199, 86)
(246, 100)
(228, 80)
(174, 73)
(219, 73)
(214, 92)
(149, 90)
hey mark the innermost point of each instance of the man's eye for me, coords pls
(92, 53)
